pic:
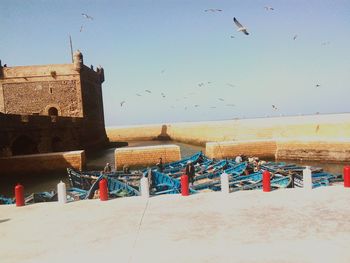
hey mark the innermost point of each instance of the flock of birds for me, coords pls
(240, 28)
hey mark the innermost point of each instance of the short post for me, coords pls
(224, 183)
(103, 190)
(144, 187)
(19, 195)
(266, 181)
(61, 193)
(346, 176)
(307, 178)
(184, 185)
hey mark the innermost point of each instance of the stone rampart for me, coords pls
(316, 128)
(148, 155)
(265, 149)
(42, 163)
(331, 150)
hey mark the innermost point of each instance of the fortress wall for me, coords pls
(264, 149)
(321, 127)
(331, 150)
(41, 163)
(148, 155)
(133, 133)
(314, 128)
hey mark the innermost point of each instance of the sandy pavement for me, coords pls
(289, 225)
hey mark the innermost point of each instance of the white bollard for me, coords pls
(62, 193)
(144, 187)
(307, 178)
(224, 183)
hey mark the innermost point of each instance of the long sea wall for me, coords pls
(325, 131)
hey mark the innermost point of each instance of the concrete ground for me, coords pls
(290, 225)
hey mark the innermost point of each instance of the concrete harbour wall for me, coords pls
(40, 163)
(148, 155)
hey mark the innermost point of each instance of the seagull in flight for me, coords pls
(163, 95)
(138, 94)
(213, 10)
(231, 85)
(274, 107)
(317, 128)
(81, 29)
(295, 37)
(121, 103)
(269, 8)
(221, 99)
(87, 16)
(240, 27)
(148, 91)
(317, 85)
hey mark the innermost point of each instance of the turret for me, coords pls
(78, 60)
(100, 71)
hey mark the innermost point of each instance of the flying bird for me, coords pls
(232, 36)
(317, 128)
(269, 8)
(87, 16)
(163, 95)
(221, 99)
(317, 85)
(81, 28)
(196, 105)
(163, 70)
(148, 91)
(213, 10)
(325, 43)
(274, 107)
(240, 27)
(138, 94)
(121, 103)
(213, 107)
(231, 85)
(201, 84)
(295, 37)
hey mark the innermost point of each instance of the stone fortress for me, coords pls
(51, 108)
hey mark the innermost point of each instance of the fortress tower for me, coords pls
(51, 107)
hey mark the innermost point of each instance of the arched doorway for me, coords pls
(24, 145)
(53, 111)
(56, 144)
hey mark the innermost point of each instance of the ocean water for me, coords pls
(97, 160)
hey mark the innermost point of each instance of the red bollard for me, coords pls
(103, 190)
(184, 185)
(19, 195)
(346, 176)
(266, 181)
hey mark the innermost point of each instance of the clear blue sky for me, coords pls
(172, 47)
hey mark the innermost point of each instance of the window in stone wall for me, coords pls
(53, 111)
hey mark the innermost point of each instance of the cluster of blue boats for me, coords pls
(245, 174)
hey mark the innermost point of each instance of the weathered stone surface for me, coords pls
(259, 148)
(147, 155)
(42, 163)
(72, 98)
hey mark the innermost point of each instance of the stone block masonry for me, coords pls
(146, 156)
(42, 163)
(230, 149)
(331, 151)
